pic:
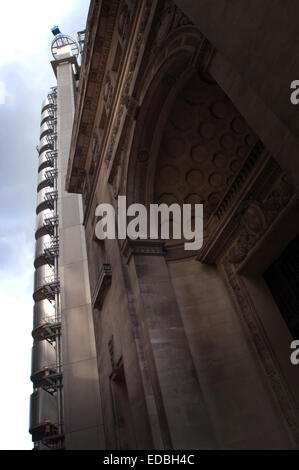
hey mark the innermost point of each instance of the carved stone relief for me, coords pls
(126, 91)
(124, 22)
(259, 338)
(257, 219)
(170, 19)
(108, 91)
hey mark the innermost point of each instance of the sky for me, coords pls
(26, 76)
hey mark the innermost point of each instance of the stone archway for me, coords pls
(204, 143)
(190, 144)
(189, 140)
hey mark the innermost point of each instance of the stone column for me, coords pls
(180, 401)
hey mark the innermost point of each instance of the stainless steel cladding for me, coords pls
(45, 144)
(46, 128)
(43, 276)
(44, 199)
(46, 104)
(43, 362)
(41, 254)
(43, 316)
(43, 414)
(46, 401)
(46, 115)
(42, 218)
(44, 161)
(43, 179)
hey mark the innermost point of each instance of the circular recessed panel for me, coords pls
(216, 179)
(241, 152)
(250, 140)
(219, 109)
(234, 166)
(199, 153)
(168, 198)
(204, 143)
(220, 160)
(227, 141)
(193, 198)
(238, 125)
(169, 174)
(207, 130)
(194, 177)
(143, 156)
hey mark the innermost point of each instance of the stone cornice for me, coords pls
(142, 248)
(100, 27)
(122, 108)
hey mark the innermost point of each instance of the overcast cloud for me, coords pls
(25, 77)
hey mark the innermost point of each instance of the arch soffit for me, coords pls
(157, 86)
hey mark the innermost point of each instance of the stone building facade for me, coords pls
(175, 104)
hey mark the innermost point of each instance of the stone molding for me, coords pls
(246, 212)
(103, 282)
(94, 61)
(247, 312)
(142, 248)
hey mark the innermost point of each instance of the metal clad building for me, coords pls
(65, 404)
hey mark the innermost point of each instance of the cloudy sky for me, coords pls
(25, 78)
